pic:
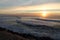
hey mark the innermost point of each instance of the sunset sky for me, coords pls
(30, 6)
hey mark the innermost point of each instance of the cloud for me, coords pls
(3, 1)
(8, 3)
(28, 9)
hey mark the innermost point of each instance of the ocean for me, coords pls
(31, 25)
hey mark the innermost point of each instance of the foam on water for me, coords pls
(37, 31)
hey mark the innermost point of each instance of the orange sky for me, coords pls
(24, 9)
(37, 10)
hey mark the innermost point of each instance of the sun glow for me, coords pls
(44, 13)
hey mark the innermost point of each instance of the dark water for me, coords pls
(31, 26)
